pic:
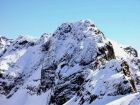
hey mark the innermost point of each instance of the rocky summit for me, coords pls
(75, 65)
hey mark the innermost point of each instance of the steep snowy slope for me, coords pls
(75, 65)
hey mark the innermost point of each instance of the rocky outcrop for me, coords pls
(131, 51)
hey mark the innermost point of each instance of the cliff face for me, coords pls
(75, 65)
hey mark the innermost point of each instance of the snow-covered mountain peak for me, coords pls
(83, 28)
(74, 65)
(2, 41)
(25, 38)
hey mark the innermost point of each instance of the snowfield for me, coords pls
(75, 65)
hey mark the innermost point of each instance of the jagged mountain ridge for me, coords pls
(75, 65)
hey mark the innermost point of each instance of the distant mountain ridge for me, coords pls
(76, 65)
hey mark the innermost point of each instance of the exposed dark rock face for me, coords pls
(8, 89)
(130, 50)
(48, 77)
(110, 55)
(108, 51)
(65, 90)
(126, 71)
(46, 46)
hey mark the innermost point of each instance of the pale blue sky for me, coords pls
(118, 19)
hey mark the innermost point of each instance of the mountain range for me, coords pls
(75, 65)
